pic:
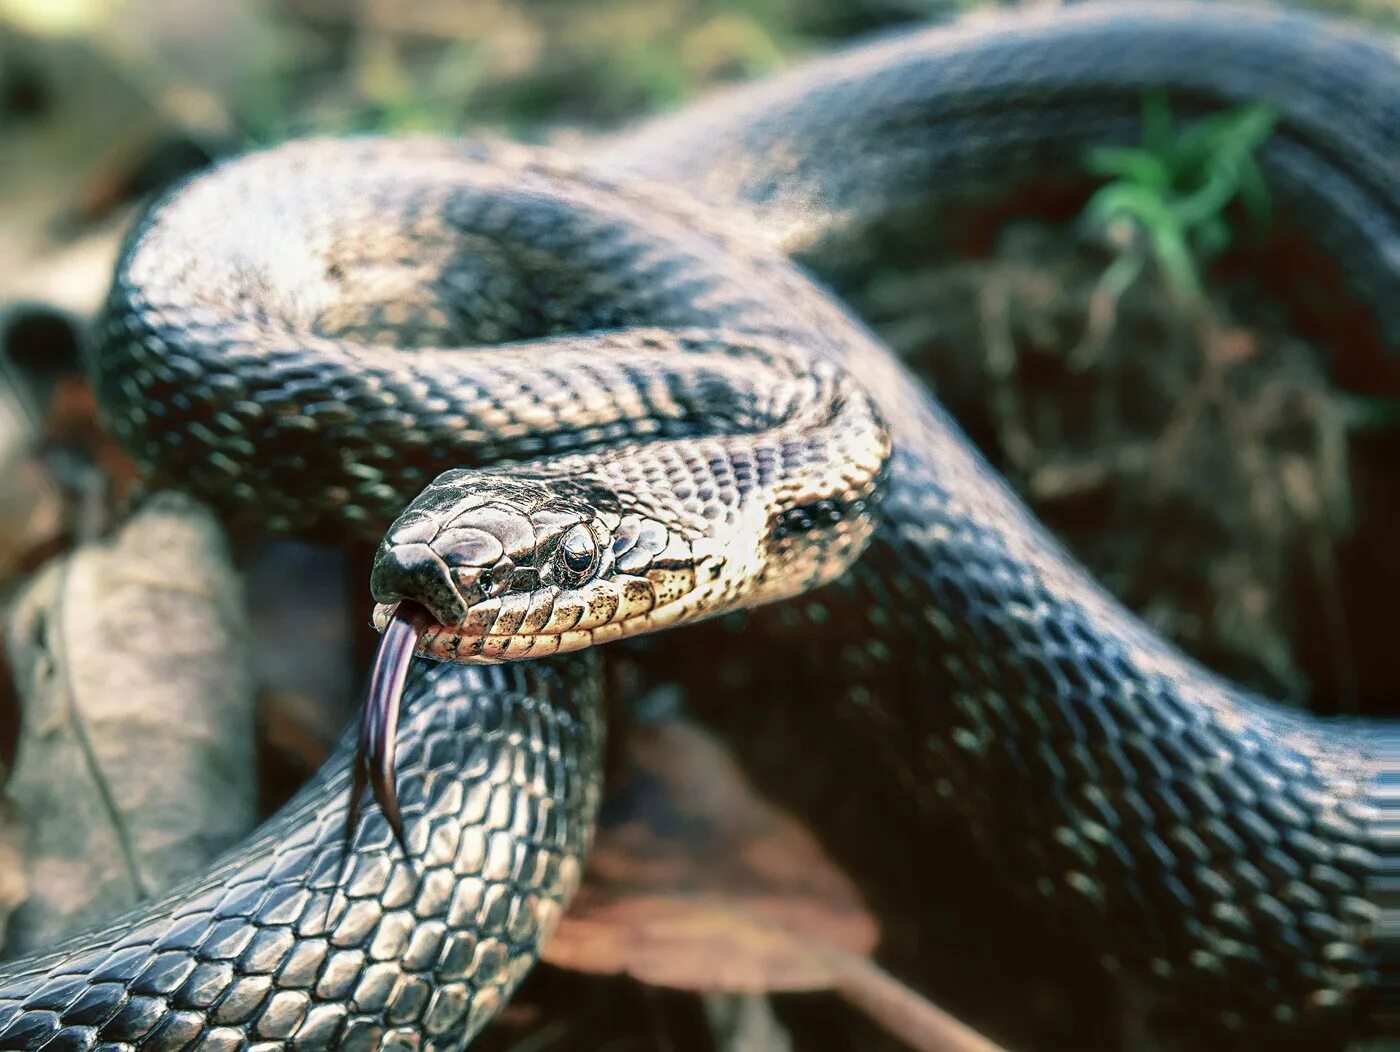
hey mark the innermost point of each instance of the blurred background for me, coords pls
(1224, 468)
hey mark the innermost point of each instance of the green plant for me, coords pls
(1171, 193)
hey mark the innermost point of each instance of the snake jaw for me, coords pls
(513, 567)
(550, 621)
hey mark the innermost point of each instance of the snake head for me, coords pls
(511, 566)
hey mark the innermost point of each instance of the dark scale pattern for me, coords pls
(1226, 849)
(498, 776)
(286, 366)
(1232, 853)
(264, 371)
(996, 106)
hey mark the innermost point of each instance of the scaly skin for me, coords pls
(1229, 850)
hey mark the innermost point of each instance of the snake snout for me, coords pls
(415, 573)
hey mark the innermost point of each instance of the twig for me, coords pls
(1001, 360)
(901, 1012)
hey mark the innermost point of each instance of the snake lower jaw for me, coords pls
(465, 646)
(470, 646)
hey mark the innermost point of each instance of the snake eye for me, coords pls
(577, 556)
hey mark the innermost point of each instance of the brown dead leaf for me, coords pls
(696, 882)
(30, 506)
(59, 473)
(135, 760)
(32, 522)
(14, 884)
(72, 421)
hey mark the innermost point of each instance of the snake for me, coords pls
(577, 397)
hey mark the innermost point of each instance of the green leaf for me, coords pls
(1177, 185)
(1131, 163)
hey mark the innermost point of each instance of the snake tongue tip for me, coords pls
(375, 752)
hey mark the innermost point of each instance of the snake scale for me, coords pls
(648, 415)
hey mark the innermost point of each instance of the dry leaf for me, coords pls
(58, 471)
(696, 882)
(14, 886)
(72, 422)
(32, 520)
(135, 760)
(31, 511)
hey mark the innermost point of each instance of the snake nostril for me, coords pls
(414, 572)
(471, 582)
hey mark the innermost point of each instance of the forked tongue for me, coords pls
(379, 723)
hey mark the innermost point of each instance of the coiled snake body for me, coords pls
(685, 424)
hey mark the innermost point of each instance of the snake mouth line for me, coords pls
(467, 645)
(448, 643)
(462, 644)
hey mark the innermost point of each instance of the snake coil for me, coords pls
(668, 371)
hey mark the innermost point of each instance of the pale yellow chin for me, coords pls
(444, 643)
(547, 622)
(450, 644)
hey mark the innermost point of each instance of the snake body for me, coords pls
(672, 373)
